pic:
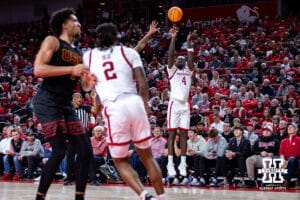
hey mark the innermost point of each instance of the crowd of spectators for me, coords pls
(246, 76)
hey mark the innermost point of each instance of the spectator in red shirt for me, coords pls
(216, 101)
(266, 101)
(250, 103)
(99, 146)
(243, 64)
(258, 110)
(292, 92)
(239, 111)
(224, 89)
(267, 117)
(271, 76)
(290, 152)
(232, 101)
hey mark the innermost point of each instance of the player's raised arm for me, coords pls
(171, 52)
(142, 43)
(190, 50)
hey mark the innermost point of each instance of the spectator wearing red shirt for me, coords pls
(239, 111)
(292, 92)
(243, 64)
(258, 110)
(99, 146)
(224, 89)
(266, 101)
(162, 84)
(216, 101)
(250, 103)
(232, 101)
(271, 76)
(290, 152)
(267, 117)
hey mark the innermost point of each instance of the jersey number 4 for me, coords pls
(109, 70)
(183, 80)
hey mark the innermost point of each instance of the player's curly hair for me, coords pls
(106, 34)
(58, 18)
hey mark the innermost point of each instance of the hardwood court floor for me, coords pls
(26, 191)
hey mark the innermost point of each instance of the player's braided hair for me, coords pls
(106, 35)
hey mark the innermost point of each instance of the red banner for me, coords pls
(248, 12)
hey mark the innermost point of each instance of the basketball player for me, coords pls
(59, 63)
(178, 114)
(117, 69)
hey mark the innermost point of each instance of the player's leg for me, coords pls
(58, 144)
(82, 146)
(184, 125)
(183, 146)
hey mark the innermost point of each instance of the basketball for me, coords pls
(175, 14)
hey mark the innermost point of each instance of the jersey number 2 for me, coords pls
(108, 71)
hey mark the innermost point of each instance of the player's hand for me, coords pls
(90, 79)
(79, 70)
(153, 27)
(174, 31)
(192, 35)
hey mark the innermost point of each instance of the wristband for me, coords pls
(190, 49)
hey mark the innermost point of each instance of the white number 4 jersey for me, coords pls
(180, 81)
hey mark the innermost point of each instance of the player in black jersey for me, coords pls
(59, 63)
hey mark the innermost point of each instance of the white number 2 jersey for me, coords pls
(113, 70)
(180, 81)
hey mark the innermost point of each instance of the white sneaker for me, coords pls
(37, 178)
(185, 181)
(202, 181)
(213, 182)
(175, 181)
(182, 169)
(171, 170)
(194, 182)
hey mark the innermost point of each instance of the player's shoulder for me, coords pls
(87, 52)
(51, 41)
(51, 38)
(127, 49)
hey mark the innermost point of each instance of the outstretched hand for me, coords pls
(174, 31)
(79, 70)
(192, 35)
(153, 27)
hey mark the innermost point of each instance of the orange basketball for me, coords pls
(175, 14)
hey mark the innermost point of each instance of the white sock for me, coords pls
(170, 160)
(183, 160)
(162, 197)
(142, 195)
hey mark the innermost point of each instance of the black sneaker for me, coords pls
(68, 182)
(95, 183)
